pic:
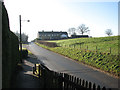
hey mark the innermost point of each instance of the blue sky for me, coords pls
(100, 14)
(60, 15)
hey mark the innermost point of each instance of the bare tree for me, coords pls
(24, 37)
(108, 32)
(72, 31)
(83, 29)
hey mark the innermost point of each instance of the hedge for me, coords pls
(10, 50)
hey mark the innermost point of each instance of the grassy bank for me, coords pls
(102, 44)
(100, 58)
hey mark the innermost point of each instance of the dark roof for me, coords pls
(77, 36)
(51, 32)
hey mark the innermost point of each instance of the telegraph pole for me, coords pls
(21, 37)
(20, 40)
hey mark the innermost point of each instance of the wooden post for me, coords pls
(44, 77)
(72, 80)
(94, 86)
(80, 46)
(20, 40)
(110, 50)
(87, 47)
(39, 70)
(96, 48)
(90, 85)
(103, 88)
(60, 81)
(33, 70)
(86, 84)
(77, 83)
(80, 82)
(98, 88)
(83, 83)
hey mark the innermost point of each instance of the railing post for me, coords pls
(83, 83)
(60, 80)
(103, 88)
(86, 84)
(90, 85)
(94, 86)
(98, 88)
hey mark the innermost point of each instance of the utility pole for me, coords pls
(20, 40)
(21, 37)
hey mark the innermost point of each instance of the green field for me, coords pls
(102, 44)
(101, 53)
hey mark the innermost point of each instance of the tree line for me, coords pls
(23, 36)
(81, 29)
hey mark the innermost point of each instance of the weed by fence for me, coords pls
(64, 81)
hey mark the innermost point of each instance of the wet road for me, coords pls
(60, 63)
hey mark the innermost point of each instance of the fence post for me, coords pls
(67, 77)
(87, 47)
(44, 76)
(83, 83)
(96, 48)
(60, 80)
(103, 88)
(39, 68)
(94, 86)
(77, 82)
(80, 82)
(86, 84)
(98, 88)
(33, 70)
(65, 81)
(72, 81)
(110, 50)
(80, 46)
(90, 85)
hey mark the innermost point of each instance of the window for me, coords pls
(48, 34)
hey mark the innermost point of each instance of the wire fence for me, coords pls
(91, 48)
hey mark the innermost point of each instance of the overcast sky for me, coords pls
(60, 15)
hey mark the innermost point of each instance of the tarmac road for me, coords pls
(60, 63)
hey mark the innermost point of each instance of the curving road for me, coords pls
(60, 63)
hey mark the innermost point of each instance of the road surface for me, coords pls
(60, 63)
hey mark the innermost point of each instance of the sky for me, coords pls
(60, 15)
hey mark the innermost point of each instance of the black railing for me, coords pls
(64, 81)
